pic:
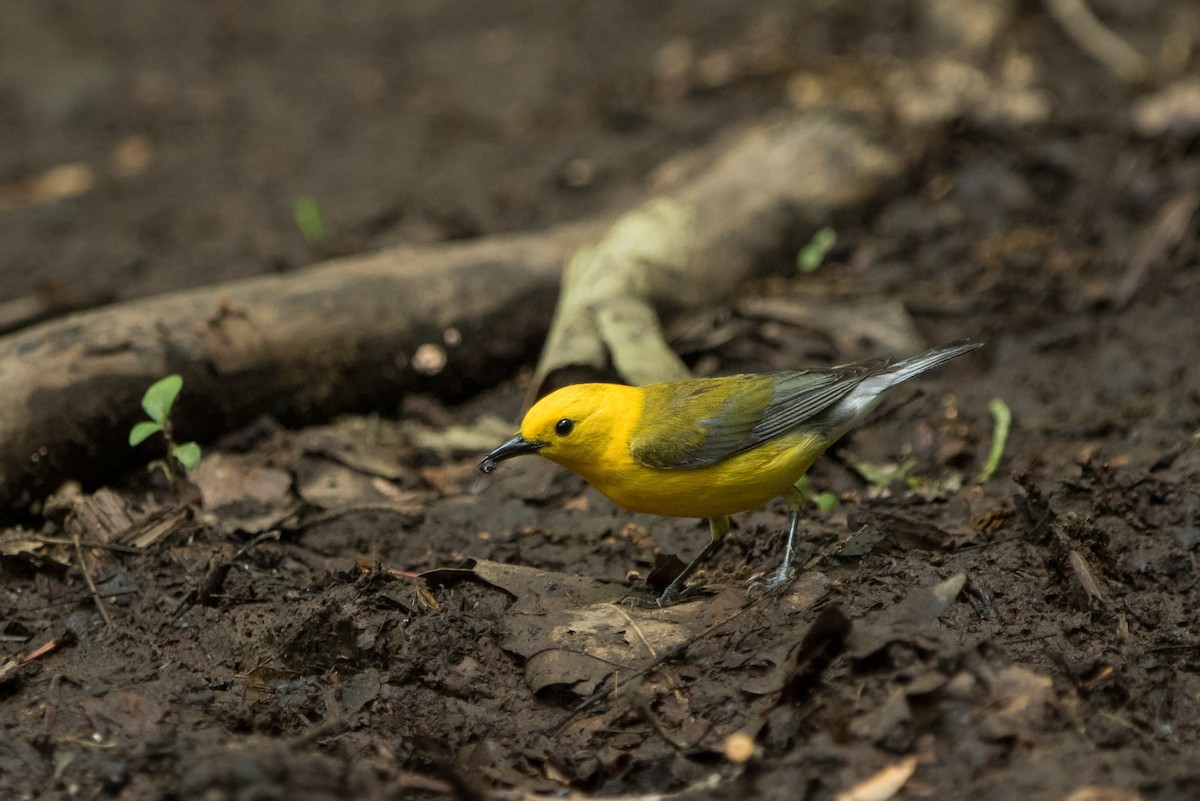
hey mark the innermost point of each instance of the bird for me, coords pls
(709, 447)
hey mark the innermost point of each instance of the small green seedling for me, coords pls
(1001, 425)
(309, 220)
(813, 254)
(158, 401)
(824, 501)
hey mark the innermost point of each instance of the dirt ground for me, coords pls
(352, 611)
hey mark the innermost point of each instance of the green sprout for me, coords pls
(824, 501)
(1001, 423)
(158, 401)
(309, 220)
(881, 475)
(813, 254)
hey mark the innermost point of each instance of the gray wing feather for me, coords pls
(797, 397)
(804, 396)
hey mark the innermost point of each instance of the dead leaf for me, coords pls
(884, 784)
(915, 613)
(123, 712)
(366, 444)
(360, 689)
(330, 485)
(241, 493)
(574, 632)
(1019, 701)
(1087, 578)
(23, 544)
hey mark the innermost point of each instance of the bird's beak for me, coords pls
(517, 446)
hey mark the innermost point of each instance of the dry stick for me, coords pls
(636, 630)
(104, 546)
(87, 576)
(41, 650)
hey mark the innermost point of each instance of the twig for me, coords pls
(647, 714)
(666, 674)
(832, 550)
(1155, 245)
(87, 576)
(106, 546)
(41, 650)
(636, 630)
(1098, 41)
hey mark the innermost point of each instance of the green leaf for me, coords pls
(142, 431)
(188, 454)
(160, 397)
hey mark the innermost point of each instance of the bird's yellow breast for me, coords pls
(741, 482)
(745, 481)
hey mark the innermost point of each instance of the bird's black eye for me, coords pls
(564, 426)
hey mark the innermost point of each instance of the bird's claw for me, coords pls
(672, 596)
(768, 582)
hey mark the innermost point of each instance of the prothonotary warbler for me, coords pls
(709, 447)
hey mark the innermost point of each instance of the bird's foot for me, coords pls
(673, 595)
(771, 581)
(669, 597)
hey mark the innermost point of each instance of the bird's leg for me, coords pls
(795, 498)
(676, 591)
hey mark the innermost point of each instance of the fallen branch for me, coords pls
(695, 243)
(359, 333)
(354, 334)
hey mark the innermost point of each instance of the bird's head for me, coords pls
(574, 426)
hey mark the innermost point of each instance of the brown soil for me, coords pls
(1030, 637)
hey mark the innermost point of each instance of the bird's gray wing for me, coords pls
(699, 423)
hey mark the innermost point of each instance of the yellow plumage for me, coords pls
(707, 447)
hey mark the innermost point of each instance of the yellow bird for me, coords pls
(709, 447)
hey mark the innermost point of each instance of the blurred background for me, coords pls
(152, 145)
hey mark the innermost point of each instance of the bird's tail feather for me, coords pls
(915, 365)
(870, 391)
